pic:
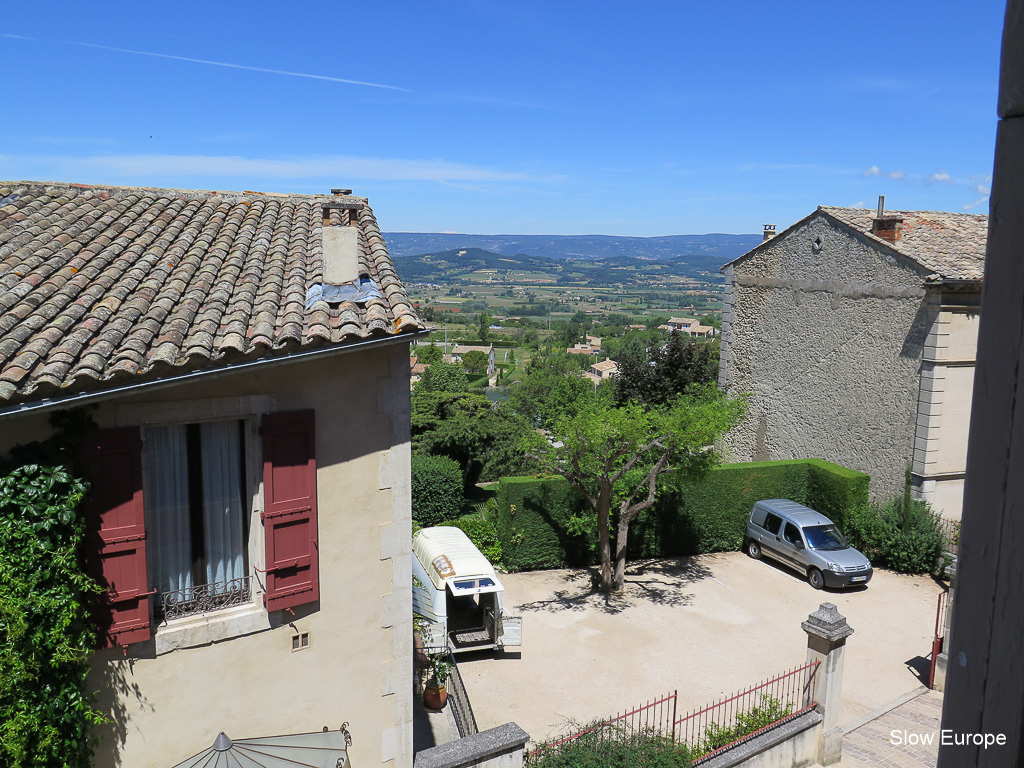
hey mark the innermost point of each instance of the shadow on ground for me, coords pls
(798, 576)
(920, 667)
(662, 581)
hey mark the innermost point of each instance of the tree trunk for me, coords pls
(621, 534)
(604, 504)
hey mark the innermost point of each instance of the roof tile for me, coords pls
(105, 282)
(951, 245)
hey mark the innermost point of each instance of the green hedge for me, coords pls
(689, 518)
(436, 489)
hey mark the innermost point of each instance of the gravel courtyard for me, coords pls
(707, 626)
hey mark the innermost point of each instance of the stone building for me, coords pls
(854, 332)
(245, 357)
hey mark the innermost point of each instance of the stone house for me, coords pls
(855, 333)
(246, 358)
(688, 325)
(604, 369)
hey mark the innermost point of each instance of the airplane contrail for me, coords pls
(222, 64)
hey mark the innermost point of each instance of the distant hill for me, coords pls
(700, 252)
(428, 267)
(457, 264)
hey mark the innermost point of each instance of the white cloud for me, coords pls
(976, 203)
(939, 177)
(896, 175)
(172, 166)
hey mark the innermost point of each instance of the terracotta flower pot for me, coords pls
(434, 696)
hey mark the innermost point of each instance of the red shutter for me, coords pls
(289, 510)
(116, 534)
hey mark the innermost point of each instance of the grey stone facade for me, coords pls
(843, 343)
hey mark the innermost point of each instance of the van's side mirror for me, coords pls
(798, 544)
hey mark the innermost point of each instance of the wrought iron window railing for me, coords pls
(204, 598)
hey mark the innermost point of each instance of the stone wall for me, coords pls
(501, 747)
(826, 332)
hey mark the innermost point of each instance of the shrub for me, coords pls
(768, 712)
(537, 519)
(610, 747)
(905, 537)
(436, 489)
(481, 531)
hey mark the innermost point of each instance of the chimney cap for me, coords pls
(340, 191)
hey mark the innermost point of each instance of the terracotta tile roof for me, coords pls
(606, 365)
(950, 245)
(461, 349)
(100, 286)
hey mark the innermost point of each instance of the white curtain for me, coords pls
(222, 501)
(167, 509)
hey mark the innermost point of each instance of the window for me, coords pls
(772, 523)
(196, 507)
(826, 537)
(179, 526)
(792, 534)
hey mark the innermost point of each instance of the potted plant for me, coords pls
(434, 694)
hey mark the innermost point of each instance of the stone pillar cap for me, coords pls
(828, 623)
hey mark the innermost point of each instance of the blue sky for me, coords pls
(646, 118)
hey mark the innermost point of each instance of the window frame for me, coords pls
(251, 526)
(212, 626)
(284, 464)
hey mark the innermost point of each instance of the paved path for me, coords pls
(893, 738)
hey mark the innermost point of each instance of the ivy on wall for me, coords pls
(46, 635)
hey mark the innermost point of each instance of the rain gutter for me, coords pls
(206, 374)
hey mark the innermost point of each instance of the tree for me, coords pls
(428, 354)
(616, 456)
(483, 437)
(551, 388)
(668, 370)
(442, 377)
(484, 326)
(475, 361)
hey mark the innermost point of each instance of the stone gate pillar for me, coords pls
(827, 631)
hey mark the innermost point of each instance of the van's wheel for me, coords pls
(815, 579)
(754, 549)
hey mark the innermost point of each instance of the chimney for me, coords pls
(341, 243)
(886, 226)
(769, 232)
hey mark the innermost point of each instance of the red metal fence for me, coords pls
(940, 631)
(712, 729)
(743, 715)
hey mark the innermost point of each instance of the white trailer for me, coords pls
(456, 590)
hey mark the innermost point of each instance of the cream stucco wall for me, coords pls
(944, 403)
(240, 674)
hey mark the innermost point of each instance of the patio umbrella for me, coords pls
(327, 749)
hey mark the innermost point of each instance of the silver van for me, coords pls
(806, 540)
